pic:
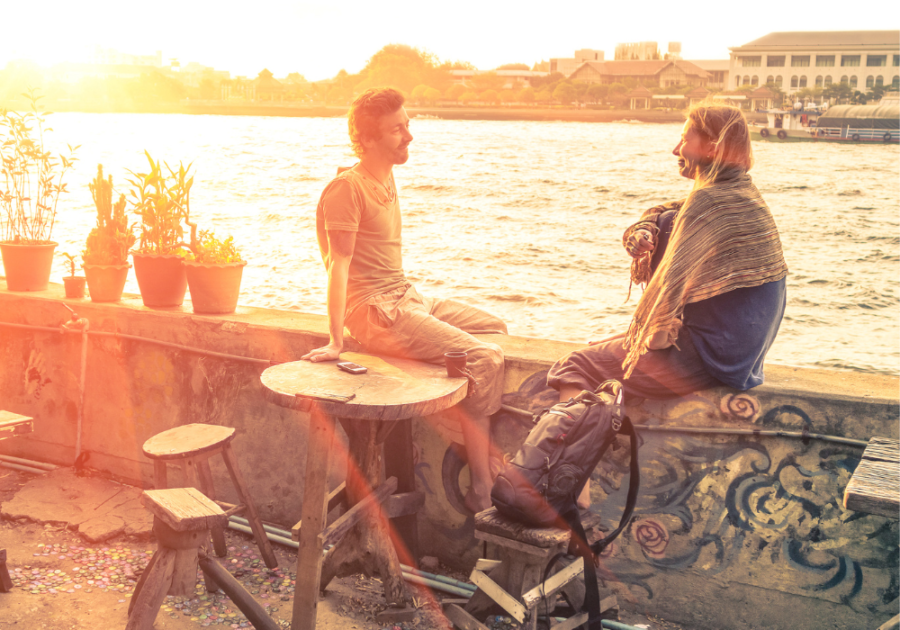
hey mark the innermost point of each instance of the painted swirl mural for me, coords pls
(756, 510)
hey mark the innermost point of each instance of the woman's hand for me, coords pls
(640, 242)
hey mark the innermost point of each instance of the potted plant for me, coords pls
(214, 274)
(106, 250)
(74, 284)
(31, 181)
(163, 203)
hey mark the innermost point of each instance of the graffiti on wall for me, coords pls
(751, 509)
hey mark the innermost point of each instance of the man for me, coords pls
(358, 227)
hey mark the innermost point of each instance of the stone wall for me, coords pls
(729, 531)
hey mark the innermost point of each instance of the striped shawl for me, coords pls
(723, 238)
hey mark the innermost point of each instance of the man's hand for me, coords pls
(331, 352)
(639, 243)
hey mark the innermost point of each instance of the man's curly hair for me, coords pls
(366, 111)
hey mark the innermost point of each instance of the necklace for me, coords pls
(389, 189)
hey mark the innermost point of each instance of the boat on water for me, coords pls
(851, 124)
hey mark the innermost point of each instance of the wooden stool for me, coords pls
(515, 581)
(182, 518)
(191, 446)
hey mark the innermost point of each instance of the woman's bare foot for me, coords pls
(584, 499)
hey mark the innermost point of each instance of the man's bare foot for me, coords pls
(475, 503)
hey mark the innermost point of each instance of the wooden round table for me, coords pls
(374, 408)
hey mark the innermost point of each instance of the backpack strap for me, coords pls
(578, 542)
(634, 484)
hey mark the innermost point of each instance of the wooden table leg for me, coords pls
(5, 580)
(401, 464)
(312, 514)
(367, 548)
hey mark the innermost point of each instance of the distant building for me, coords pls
(796, 60)
(641, 51)
(568, 65)
(674, 50)
(662, 73)
(513, 78)
(717, 70)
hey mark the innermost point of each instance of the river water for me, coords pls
(523, 219)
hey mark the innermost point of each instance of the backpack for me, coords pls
(540, 485)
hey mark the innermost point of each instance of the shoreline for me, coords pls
(443, 113)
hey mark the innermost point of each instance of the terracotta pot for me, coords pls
(161, 278)
(27, 267)
(214, 287)
(74, 286)
(106, 282)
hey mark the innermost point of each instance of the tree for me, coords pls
(526, 95)
(616, 94)
(403, 67)
(489, 96)
(431, 95)
(455, 91)
(295, 78)
(487, 81)
(550, 79)
(508, 96)
(468, 97)
(838, 92)
(418, 92)
(513, 66)
(596, 93)
(543, 97)
(565, 93)
(875, 93)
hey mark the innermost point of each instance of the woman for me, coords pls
(714, 276)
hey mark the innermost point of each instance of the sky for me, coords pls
(317, 39)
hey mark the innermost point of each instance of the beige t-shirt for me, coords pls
(355, 202)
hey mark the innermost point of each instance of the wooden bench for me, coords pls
(11, 425)
(874, 487)
(515, 580)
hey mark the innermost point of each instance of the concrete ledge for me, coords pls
(761, 517)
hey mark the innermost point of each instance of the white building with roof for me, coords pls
(718, 72)
(568, 65)
(796, 60)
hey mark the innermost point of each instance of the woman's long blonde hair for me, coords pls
(726, 128)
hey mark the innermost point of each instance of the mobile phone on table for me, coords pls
(352, 368)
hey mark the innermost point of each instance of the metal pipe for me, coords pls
(283, 533)
(616, 625)
(81, 387)
(166, 344)
(471, 588)
(439, 582)
(269, 528)
(801, 435)
(29, 469)
(28, 462)
(438, 586)
(178, 346)
(273, 537)
(759, 432)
